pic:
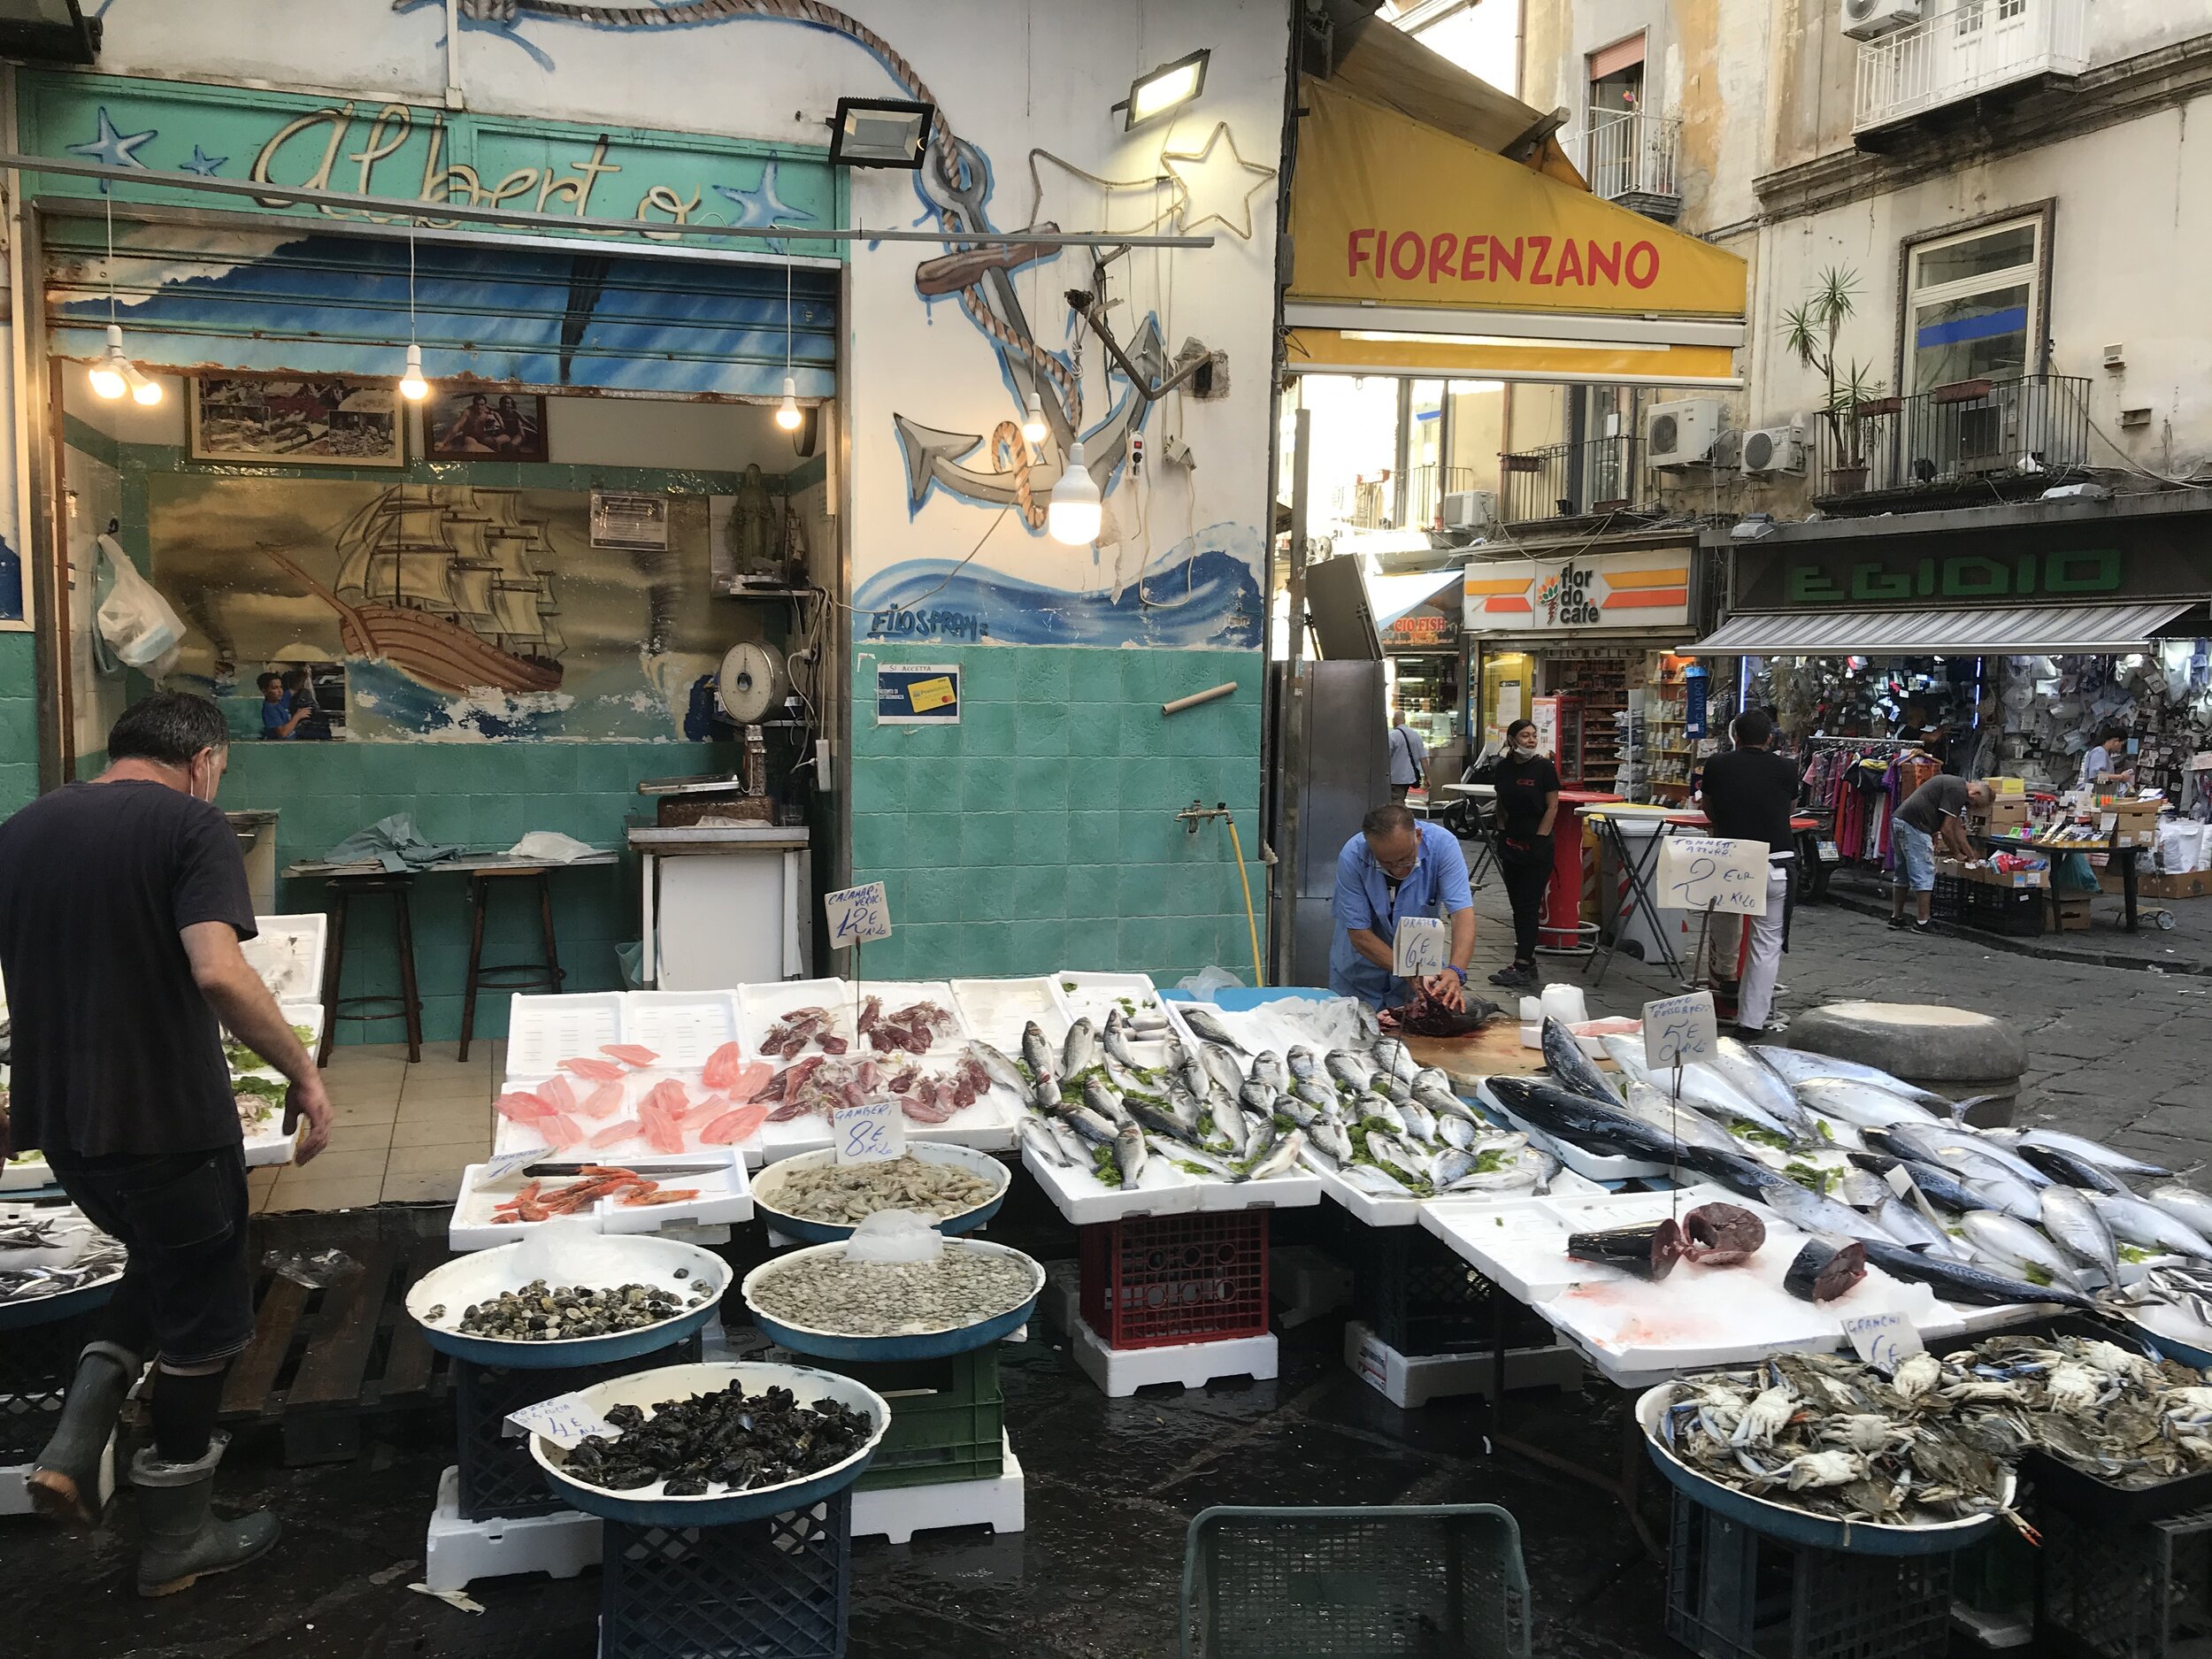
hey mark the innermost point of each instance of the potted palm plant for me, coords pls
(1854, 399)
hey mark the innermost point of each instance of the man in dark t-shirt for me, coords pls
(1934, 814)
(122, 904)
(1748, 794)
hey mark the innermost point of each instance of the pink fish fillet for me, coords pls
(722, 1065)
(603, 1102)
(523, 1107)
(629, 1054)
(556, 1092)
(749, 1079)
(594, 1071)
(560, 1131)
(734, 1125)
(614, 1134)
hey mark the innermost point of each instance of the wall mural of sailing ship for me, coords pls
(458, 610)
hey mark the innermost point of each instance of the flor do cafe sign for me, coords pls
(1387, 211)
(1613, 590)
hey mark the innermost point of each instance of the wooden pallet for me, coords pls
(324, 1359)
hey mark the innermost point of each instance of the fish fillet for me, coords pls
(629, 1054)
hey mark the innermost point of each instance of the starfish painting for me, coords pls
(116, 150)
(206, 166)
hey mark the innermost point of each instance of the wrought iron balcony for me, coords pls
(1630, 156)
(1573, 481)
(1967, 50)
(1973, 433)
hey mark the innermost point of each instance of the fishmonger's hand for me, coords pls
(1446, 989)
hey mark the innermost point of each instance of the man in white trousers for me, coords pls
(1749, 794)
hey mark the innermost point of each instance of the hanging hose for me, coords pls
(1236, 845)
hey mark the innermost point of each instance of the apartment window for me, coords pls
(1972, 308)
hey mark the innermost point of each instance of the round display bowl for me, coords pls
(766, 1184)
(482, 1275)
(42, 1309)
(917, 1345)
(650, 1505)
(1793, 1525)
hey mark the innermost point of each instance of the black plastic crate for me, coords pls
(1413, 1292)
(498, 1477)
(2015, 912)
(948, 1417)
(1443, 1581)
(1734, 1594)
(773, 1589)
(36, 1364)
(2114, 1592)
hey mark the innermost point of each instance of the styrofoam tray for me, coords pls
(900, 994)
(1589, 1164)
(270, 1144)
(509, 1135)
(724, 1195)
(1525, 1248)
(1081, 993)
(543, 1031)
(997, 1010)
(1378, 1209)
(1163, 1190)
(1254, 1029)
(988, 1125)
(287, 952)
(32, 1173)
(760, 1006)
(683, 1028)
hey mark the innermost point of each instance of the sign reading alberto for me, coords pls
(414, 154)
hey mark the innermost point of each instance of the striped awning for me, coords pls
(1995, 631)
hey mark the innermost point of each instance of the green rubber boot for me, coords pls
(64, 1483)
(183, 1540)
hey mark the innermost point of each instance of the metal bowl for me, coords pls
(16, 1316)
(766, 1183)
(1795, 1526)
(650, 1505)
(479, 1276)
(919, 1344)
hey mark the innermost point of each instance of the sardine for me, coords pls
(1203, 1025)
(2010, 1239)
(1963, 1282)
(1268, 1068)
(2150, 1227)
(1574, 1069)
(1036, 1051)
(999, 1067)
(1080, 1053)
(2074, 1225)
(1130, 1153)
(1041, 1140)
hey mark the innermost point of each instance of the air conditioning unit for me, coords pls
(1470, 509)
(1773, 449)
(1864, 19)
(1682, 433)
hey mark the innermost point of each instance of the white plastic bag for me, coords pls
(551, 846)
(895, 1235)
(1206, 981)
(134, 620)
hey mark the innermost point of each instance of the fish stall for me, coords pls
(57, 1269)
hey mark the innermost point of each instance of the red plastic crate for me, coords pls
(1149, 1281)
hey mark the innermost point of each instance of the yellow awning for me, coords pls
(1416, 248)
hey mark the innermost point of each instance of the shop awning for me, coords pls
(1994, 631)
(1417, 250)
(1392, 597)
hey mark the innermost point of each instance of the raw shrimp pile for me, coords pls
(539, 1202)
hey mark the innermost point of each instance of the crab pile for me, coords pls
(912, 1028)
(790, 1035)
(540, 1201)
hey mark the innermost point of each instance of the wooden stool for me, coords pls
(511, 976)
(407, 1004)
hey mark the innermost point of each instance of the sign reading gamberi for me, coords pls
(1606, 590)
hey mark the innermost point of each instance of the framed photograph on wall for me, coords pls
(464, 424)
(319, 420)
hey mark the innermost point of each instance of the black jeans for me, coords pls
(1525, 885)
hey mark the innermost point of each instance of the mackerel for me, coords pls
(2147, 1226)
(2012, 1240)
(2074, 1225)
(1570, 1067)
(1963, 1282)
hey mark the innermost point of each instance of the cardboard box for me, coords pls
(2191, 884)
(2073, 912)
(2006, 813)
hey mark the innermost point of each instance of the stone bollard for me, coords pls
(1950, 1051)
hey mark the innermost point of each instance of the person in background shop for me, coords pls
(300, 687)
(1398, 865)
(1934, 814)
(1409, 759)
(278, 718)
(1749, 795)
(1528, 802)
(2101, 763)
(122, 904)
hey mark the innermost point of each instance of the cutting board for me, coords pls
(1495, 1048)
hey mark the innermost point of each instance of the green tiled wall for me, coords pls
(1040, 833)
(482, 795)
(18, 721)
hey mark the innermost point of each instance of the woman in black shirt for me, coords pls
(1528, 800)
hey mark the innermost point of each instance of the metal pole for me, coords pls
(1291, 721)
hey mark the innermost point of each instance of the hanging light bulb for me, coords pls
(144, 390)
(107, 378)
(412, 387)
(787, 411)
(1033, 427)
(1075, 513)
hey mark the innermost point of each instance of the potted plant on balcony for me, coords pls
(1854, 395)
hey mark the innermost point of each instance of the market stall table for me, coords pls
(2126, 853)
(1562, 931)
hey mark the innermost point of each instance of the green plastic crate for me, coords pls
(947, 1418)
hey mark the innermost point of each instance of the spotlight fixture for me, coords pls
(412, 387)
(1033, 427)
(109, 378)
(787, 411)
(880, 133)
(1075, 513)
(1166, 88)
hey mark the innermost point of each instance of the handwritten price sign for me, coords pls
(1680, 1028)
(1700, 870)
(1885, 1341)
(1422, 946)
(857, 916)
(566, 1420)
(870, 1133)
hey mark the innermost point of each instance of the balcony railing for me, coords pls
(1572, 480)
(1627, 154)
(1426, 485)
(1971, 432)
(1974, 47)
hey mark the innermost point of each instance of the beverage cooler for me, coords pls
(1559, 730)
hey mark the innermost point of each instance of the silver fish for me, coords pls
(1809, 1212)
(1420, 1121)
(1455, 1132)
(1315, 1091)
(1104, 1101)
(1862, 1105)
(1044, 1094)
(1449, 1165)
(1207, 1028)
(1259, 1134)
(1221, 1065)
(1737, 1062)
(1390, 1087)
(999, 1067)
(1281, 1157)
(1302, 1112)
(2095, 1151)
(1175, 1151)
(1130, 1153)
(1036, 1051)
(1330, 1136)
(1703, 1086)
(1445, 1103)
(2000, 1192)
(1573, 1069)
(1862, 1189)
(1349, 1069)
(1798, 1066)
(1395, 1058)
(1685, 1123)
(1303, 1061)
(2184, 1203)
(1257, 1096)
(2009, 1240)
(1074, 1146)
(1909, 1227)
(2147, 1226)
(1183, 1106)
(1370, 1028)
(1433, 1077)
(1100, 1131)
(1515, 1177)
(1268, 1067)
(1123, 1079)
(1395, 1156)
(1372, 1105)
(1080, 1053)
(1314, 1159)
(1964, 1150)
(1040, 1140)
(1628, 1053)
(1382, 1182)
(1114, 1040)
(2075, 1226)
(1229, 1125)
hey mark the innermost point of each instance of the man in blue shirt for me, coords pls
(278, 718)
(1397, 866)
